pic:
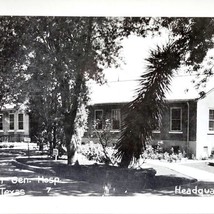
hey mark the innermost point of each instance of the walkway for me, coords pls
(200, 175)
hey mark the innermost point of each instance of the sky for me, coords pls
(135, 50)
(122, 82)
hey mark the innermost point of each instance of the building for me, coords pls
(187, 124)
(14, 124)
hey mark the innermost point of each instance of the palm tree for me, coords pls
(143, 113)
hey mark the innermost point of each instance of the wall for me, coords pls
(16, 134)
(90, 134)
(169, 138)
(205, 138)
(181, 139)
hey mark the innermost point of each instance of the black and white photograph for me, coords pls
(106, 106)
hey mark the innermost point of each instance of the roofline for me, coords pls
(109, 103)
(180, 100)
(205, 94)
(125, 102)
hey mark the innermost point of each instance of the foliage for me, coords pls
(105, 139)
(95, 152)
(59, 55)
(159, 154)
(10, 50)
(145, 111)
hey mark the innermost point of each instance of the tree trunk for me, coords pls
(72, 107)
(50, 141)
(71, 148)
(54, 136)
(69, 119)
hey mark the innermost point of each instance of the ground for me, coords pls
(36, 177)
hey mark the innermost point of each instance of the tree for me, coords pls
(56, 56)
(61, 54)
(64, 53)
(191, 38)
(10, 51)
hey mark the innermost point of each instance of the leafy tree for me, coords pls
(190, 40)
(55, 56)
(11, 32)
(64, 54)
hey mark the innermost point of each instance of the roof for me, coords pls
(182, 88)
(113, 92)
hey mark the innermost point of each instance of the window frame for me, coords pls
(1, 122)
(96, 110)
(171, 120)
(13, 122)
(18, 121)
(210, 120)
(117, 109)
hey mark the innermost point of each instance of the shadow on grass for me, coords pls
(102, 180)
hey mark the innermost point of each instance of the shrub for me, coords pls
(157, 153)
(94, 151)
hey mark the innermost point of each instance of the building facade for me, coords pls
(14, 125)
(187, 123)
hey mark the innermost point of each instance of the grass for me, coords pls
(115, 180)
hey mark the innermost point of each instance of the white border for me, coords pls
(197, 8)
(141, 204)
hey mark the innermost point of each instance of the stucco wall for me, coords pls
(205, 138)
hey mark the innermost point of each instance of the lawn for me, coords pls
(114, 180)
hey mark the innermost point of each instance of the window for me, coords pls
(1, 122)
(115, 119)
(211, 120)
(98, 119)
(11, 120)
(175, 119)
(20, 121)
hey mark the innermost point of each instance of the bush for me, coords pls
(94, 151)
(158, 153)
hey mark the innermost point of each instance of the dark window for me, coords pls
(1, 122)
(211, 120)
(175, 119)
(11, 121)
(98, 117)
(20, 121)
(115, 118)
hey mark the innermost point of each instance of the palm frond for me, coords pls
(142, 115)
